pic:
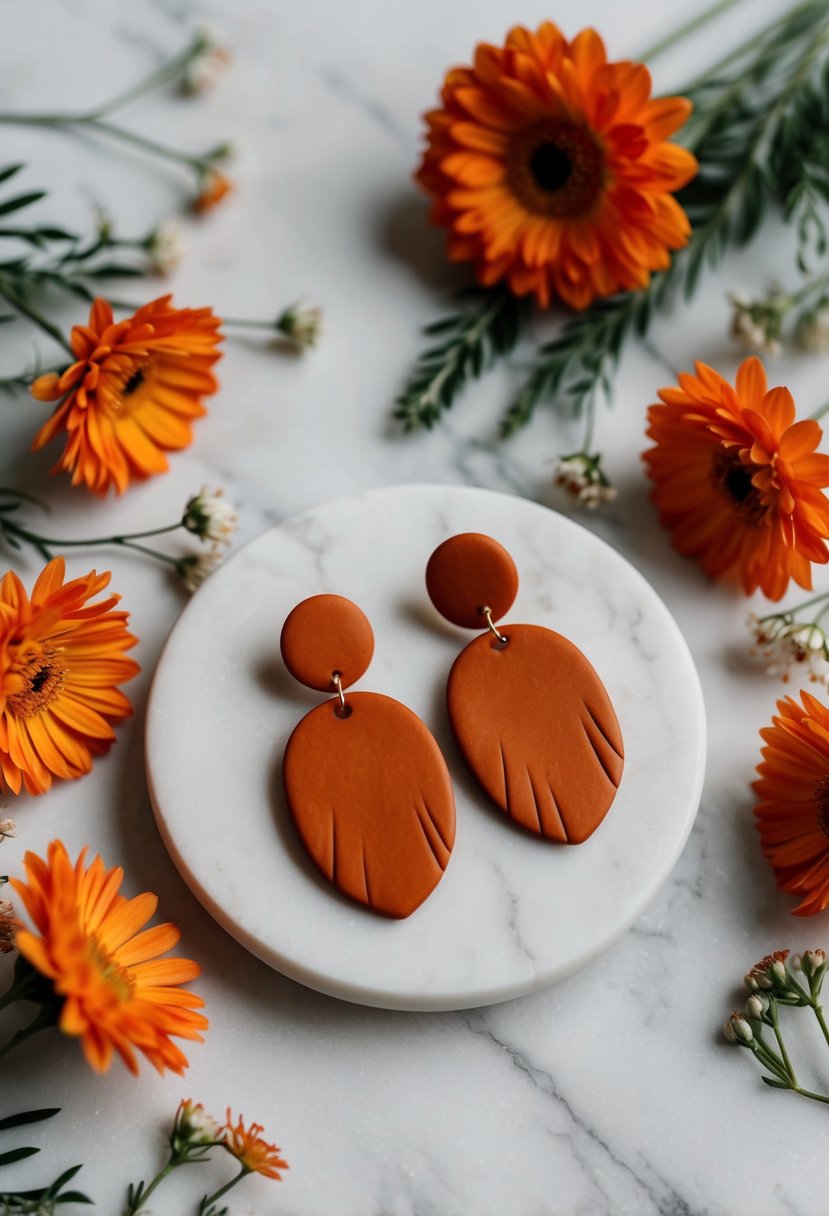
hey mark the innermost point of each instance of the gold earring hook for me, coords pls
(501, 638)
(337, 684)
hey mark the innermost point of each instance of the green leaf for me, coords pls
(9, 171)
(48, 1112)
(21, 201)
(17, 1154)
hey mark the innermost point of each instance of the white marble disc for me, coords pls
(513, 912)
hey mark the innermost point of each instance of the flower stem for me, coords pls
(818, 1012)
(818, 413)
(134, 1207)
(166, 74)
(784, 1055)
(21, 1036)
(688, 27)
(26, 310)
(129, 540)
(808, 1093)
(208, 1200)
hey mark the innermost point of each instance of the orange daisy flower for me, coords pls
(250, 1150)
(132, 393)
(793, 808)
(738, 481)
(550, 168)
(61, 659)
(113, 989)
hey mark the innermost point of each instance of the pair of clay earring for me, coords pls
(366, 783)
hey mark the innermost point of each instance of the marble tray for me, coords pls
(512, 913)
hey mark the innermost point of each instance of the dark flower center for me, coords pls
(550, 166)
(821, 797)
(42, 673)
(556, 169)
(135, 381)
(733, 479)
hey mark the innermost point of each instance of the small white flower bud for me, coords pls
(756, 1005)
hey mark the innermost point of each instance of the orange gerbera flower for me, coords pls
(132, 393)
(61, 659)
(550, 168)
(793, 808)
(250, 1150)
(738, 481)
(113, 989)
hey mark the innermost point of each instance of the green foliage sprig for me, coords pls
(467, 342)
(760, 131)
(771, 985)
(42, 1200)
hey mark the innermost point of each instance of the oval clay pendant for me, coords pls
(531, 716)
(536, 726)
(366, 783)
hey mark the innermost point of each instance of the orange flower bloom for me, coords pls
(214, 187)
(550, 168)
(250, 1150)
(793, 808)
(114, 990)
(61, 659)
(132, 393)
(738, 481)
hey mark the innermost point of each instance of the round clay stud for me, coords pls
(324, 634)
(468, 572)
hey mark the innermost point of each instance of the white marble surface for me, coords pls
(610, 1093)
(511, 913)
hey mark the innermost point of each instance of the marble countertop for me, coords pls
(611, 1092)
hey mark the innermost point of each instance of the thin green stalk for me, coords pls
(768, 31)
(148, 145)
(818, 413)
(18, 991)
(808, 1093)
(590, 420)
(161, 76)
(16, 1039)
(818, 1012)
(688, 27)
(132, 1209)
(129, 540)
(784, 1055)
(26, 310)
(208, 1201)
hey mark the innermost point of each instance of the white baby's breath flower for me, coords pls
(8, 828)
(785, 644)
(582, 476)
(196, 567)
(812, 333)
(209, 61)
(757, 324)
(210, 516)
(301, 325)
(165, 246)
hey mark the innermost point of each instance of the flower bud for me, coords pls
(757, 1004)
(738, 1030)
(813, 961)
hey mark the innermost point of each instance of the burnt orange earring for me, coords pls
(531, 716)
(366, 783)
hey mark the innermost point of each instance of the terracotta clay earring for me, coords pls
(366, 783)
(531, 716)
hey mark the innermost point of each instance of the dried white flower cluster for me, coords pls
(582, 476)
(300, 325)
(785, 644)
(757, 324)
(812, 333)
(210, 59)
(165, 247)
(212, 518)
